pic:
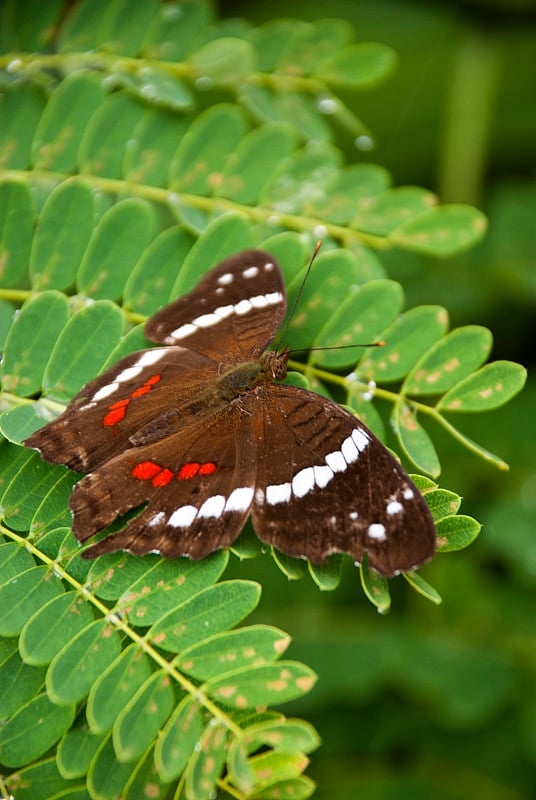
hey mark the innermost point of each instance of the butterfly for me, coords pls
(198, 433)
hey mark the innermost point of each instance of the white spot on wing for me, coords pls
(226, 278)
(150, 357)
(360, 439)
(377, 531)
(278, 493)
(353, 515)
(157, 519)
(251, 272)
(349, 450)
(243, 307)
(408, 493)
(182, 332)
(213, 507)
(183, 517)
(394, 507)
(323, 475)
(303, 481)
(105, 391)
(128, 374)
(335, 461)
(239, 499)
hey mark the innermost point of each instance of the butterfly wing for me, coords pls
(139, 389)
(326, 484)
(232, 314)
(197, 485)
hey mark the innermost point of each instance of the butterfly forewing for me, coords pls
(232, 314)
(192, 436)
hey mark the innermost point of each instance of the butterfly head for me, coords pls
(275, 364)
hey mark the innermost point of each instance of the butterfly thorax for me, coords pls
(247, 376)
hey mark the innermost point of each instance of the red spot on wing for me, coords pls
(142, 390)
(146, 470)
(188, 471)
(115, 415)
(163, 478)
(117, 411)
(207, 469)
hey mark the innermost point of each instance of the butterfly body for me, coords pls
(200, 433)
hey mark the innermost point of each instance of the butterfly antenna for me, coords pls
(298, 296)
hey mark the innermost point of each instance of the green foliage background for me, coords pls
(428, 701)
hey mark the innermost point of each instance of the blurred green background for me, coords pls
(441, 702)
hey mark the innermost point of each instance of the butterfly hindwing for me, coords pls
(198, 495)
(329, 485)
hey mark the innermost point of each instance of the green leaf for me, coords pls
(81, 349)
(455, 533)
(303, 174)
(223, 61)
(415, 441)
(77, 750)
(230, 650)
(21, 109)
(25, 493)
(449, 361)
(19, 683)
(16, 228)
(359, 66)
(33, 730)
(178, 739)
(14, 559)
(114, 688)
(204, 148)
(65, 119)
(322, 295)
(349, 189)
(121, 31)
(418, 583)
(270, 768)
(204, 768)
(103, 146)
(150, 150)
(62, 234)
(79, 663)
(170, 35)
(53, 510)
(441, 232)
(409, 339)
(165, 586)
(117, 243)
(150, 282)
(492, 386)
(286, 735)
(210, 611)
(62, 618)
(39, 781)
(31, 341)
(327, 576)
(107, 776)
(293, 789)
(142, 717)
(389, 210)
(361, 318)
(23, 595)
(254, 161)
(268, 683)
(145, 780)
(375, 588)
(223, 237)
(442, 503)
